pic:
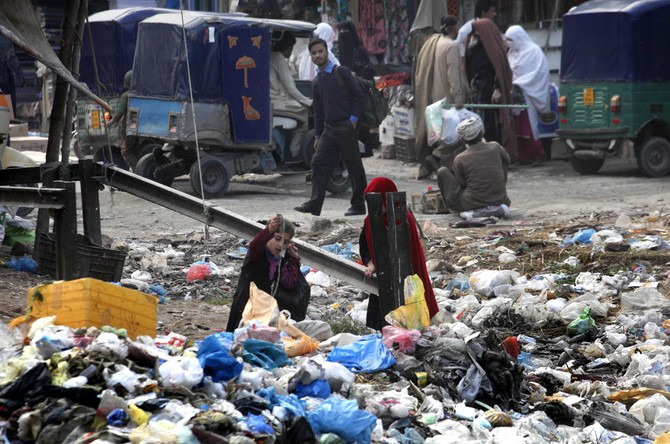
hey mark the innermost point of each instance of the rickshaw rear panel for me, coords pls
(615, 83)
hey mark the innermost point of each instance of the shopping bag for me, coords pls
(414, 314)
(450, 120)
(434, 121)
(261, 307)
(296, 343)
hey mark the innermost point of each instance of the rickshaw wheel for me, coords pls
(146, 167)
(215, 177)
(339, 180)
(81, 151)
(586, 166)
(102, 154)
(654, 157)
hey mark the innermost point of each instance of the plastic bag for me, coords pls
(298, 343)
(24, 263)
(450, 120)
(304, 345)
(181, 372)
(434, 121)
(264, 354)
(400, 339)
(261, 307)
(343, 418)
(582, 323)
(368, 355)
(643, 299)
(198, 272)
(414, 314)
(315, 389)
(215, 358)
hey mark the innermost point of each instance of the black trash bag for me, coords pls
(559, 412)
(81, 395)
(297, 431)
(504, 375)
(613, 420)
(29, 385)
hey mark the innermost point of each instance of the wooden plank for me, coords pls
(400, 257)
(380, 246)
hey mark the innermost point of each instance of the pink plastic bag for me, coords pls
(198, 272)
(395, 338)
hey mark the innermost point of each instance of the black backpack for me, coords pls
(376, 106)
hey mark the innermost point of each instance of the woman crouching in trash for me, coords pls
(273, 264)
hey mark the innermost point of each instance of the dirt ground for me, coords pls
(548, 202)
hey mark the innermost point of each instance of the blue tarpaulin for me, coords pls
(109, 40)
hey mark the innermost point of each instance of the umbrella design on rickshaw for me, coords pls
(246, 63)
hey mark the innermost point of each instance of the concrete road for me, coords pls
(553, 191)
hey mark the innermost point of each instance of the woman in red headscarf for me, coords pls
(375, 319)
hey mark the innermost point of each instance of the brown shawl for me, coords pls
(423, 87)
(495, 50)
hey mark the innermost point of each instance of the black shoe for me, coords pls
(355, 211)
(433, 161)
(304, 208)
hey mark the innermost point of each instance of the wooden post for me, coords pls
(90, 201)
(390, 244)
(398, 235)
(57, 115)
(65, 231)
(74, 69)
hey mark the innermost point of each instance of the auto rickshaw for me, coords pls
(615, 84)
(108, 48)
(201, 85)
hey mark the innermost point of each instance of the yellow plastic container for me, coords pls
(90, 302)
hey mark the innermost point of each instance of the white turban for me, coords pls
(470, 128)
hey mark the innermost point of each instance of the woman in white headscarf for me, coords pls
(307, 68)
(530, 72)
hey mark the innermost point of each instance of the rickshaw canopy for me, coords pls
(109, 42)
(616, 40)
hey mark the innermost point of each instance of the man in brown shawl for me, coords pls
(438, 76)
(490, 78)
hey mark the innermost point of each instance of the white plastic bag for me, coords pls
(434, 121)
(450, 120)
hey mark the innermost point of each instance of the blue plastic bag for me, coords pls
(583, 236)
(257, 425)
(215, 358)
(215, 343)
(291, 403)
(367, 355)
(264, 354)
(318, 388)
(24, 263)
(343, 418)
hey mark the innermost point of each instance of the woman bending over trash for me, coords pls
(375, 318)
(273, 264)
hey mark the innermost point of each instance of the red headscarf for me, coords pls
(383, 185)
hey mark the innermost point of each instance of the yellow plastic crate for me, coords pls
(90, 302)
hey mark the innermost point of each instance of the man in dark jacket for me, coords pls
(336, 112)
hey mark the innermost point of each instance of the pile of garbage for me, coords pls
(543, 335)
